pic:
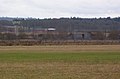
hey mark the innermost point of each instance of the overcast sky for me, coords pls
(59, 8)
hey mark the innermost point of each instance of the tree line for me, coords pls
(66, 27)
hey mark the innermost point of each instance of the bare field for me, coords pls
(60, 62)
(58, 70)
(63, 48)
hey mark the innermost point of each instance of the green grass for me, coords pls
(61, 56)
(51, 63)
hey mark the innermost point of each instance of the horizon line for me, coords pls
(59, 17)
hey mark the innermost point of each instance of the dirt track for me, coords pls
(64, 48)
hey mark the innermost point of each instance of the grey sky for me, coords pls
(59, 8)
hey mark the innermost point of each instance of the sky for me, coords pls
(60, 8)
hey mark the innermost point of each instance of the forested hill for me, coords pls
(66, 24)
